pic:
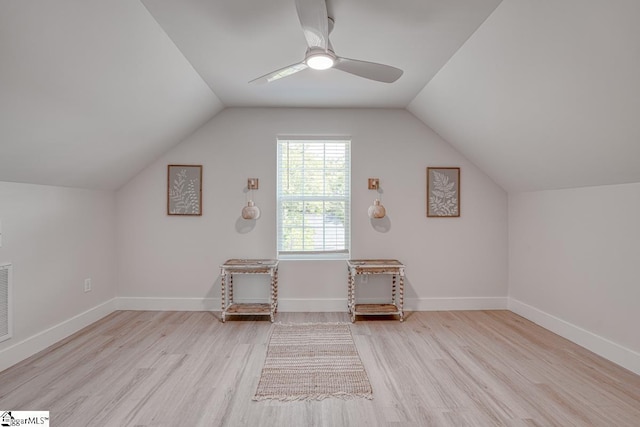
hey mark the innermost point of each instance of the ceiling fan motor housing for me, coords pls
(320, 59)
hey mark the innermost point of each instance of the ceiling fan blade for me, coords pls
(315, 22)
(282, 72)
(369, 70)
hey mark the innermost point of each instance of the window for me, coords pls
(314, 186)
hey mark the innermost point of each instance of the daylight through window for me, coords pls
(313, 198)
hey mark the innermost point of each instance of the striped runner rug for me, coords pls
(312, 361)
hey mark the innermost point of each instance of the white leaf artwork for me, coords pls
(443, 194)
(184, 192)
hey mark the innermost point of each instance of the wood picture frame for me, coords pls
(443, 192)
(184, 190)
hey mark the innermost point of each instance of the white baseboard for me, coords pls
(38, 342)
(312, 304)
(327, 305)
(213, 304)
(616, 353)
(454, 304)
(167, 304)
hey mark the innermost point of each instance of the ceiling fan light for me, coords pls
(320, 61)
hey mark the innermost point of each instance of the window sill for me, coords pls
(313, 257)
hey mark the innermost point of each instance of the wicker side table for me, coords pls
(391, 267)
(248, 266)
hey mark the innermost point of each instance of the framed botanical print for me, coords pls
(443, 192)
(184, 190)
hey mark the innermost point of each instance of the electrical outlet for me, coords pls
(87, 285)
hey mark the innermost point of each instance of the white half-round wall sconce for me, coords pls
(377, 210)
(251, 211)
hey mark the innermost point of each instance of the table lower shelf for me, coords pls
(249, 308)
(376, 310)
(252, 309)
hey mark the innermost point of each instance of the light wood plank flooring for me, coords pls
(473, 368)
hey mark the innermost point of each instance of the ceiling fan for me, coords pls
(316, 26)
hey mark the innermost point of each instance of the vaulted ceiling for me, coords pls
(540, 95)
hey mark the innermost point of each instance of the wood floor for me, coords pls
(474, 368)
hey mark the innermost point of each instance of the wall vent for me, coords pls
(5, 302)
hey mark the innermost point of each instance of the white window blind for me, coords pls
(314, 185)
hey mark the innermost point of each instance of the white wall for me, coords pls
(574, 265)
(172, 262)
(55, 238)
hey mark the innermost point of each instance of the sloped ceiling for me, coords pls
(545, 95)
(91, 92)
